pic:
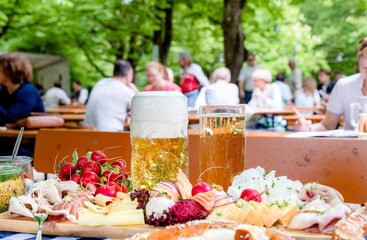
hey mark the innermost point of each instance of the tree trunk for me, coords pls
(234, 50)
(163, 36)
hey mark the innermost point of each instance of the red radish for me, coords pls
(89, 177)
(76, 178)
(81, 161)
(110, 175)
(107, 190)
(99, 157)
(62, 178)
(67, 169)
(120, 165)
(251, 194)
(91, 166)
(201, 187)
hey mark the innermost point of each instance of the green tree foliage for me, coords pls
(340, 25)
(93, 34)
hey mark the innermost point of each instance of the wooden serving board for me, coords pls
(66, 228)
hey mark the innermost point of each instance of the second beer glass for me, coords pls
(222, 143)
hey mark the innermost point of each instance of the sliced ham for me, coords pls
(313, 190)
(67, 210)
(22, 206)
(319, 216)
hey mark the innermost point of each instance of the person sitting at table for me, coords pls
(285, 90)
(326, 85)
(220, 92)
(80, 93)
(56, 96)
(346, 91)
(265, 94)
(158, 77)
(18, 97)
(308, 96)
(110, 99)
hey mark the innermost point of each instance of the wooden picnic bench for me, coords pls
(336, 162)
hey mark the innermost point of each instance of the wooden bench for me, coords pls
(339, 163)
(53, 145)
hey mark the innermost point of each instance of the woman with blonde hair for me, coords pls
(308, 96)
(158, 78)
(265, 94)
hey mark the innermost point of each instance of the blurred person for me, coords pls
(337, 75)
(285, 91)
(295, 79)
(56, 96)
(346, 91)
(326, 85)
(220, 92)
(81, 94)
(192, 78)
(245, 80)
(265, 94)
(18, 97)
(110, 99)
(158, 78)
(308, 96)
(171, 76)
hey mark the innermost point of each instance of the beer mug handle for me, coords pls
(355, 109)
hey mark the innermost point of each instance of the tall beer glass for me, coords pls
(159, 139)
(359, 116)
(222, 143)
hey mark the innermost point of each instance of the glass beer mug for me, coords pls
(222, 143)
(159, 140)
(359, 116)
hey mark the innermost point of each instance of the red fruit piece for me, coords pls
(251, 194)
(67, 169)
(81, 161)
(110, 175)
(89, 177)
(76, 178)
(106, 190)
(120, 165)
(91, 166)
(99, 157)
(201, 187)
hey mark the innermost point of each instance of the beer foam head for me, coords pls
(159, 114)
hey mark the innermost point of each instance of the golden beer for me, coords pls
(158, 159)
(362, 125)
(158, 136)
(222, 146)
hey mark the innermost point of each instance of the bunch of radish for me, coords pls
(93, 172)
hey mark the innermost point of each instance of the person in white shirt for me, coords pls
(265, 95)
(56, 96)
(220, 92)
(346, 91)
(295, 79)
(110, 99)
(81, 94)
(308, 96)
(245, 80)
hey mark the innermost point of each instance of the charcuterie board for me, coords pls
(66, 228)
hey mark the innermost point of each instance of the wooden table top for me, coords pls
(73, 117)
(67, 110)
(15, 132)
